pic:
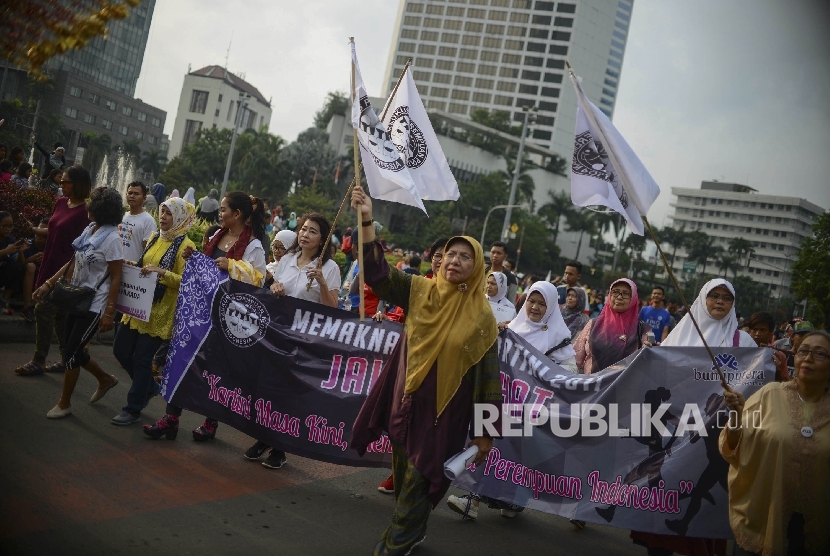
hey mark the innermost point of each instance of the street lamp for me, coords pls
(530, 117)
(243, 104)
(484, 229)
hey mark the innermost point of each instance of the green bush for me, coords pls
(34, 204)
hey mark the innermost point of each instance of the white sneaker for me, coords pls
(508, 513)
(463, 505)
(58, 413)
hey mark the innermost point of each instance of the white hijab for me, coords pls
(548, 332)
(190, 196)
(718, 333)
(502, 308)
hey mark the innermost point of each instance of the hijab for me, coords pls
(501, 296)
(450, 325)
(615, 336)
(575, 318)
(286, 237)
(158, 193)
(717, 332)
(184, 213)
(174, 194)
(211, 203)
(190, 196)
(292, 220)
(549, 332)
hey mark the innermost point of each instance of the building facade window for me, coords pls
(138, 135)
(94, 99)
(191, 128)
(142, 117)
(76, 92)
(71, 112)
(198, 101)
(127, 111)
(111, 104)
(89, 118)
(123, 130)
(155, 122)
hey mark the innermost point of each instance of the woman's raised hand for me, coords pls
(361, 200)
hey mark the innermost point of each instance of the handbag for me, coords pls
(75, 300)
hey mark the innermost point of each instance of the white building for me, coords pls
(505, 54)
(774, 224)
(210, 98)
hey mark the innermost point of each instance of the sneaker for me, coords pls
(578, 523)
(508, 513)
(511, 510)
(256, 451)
(463, 505)
(387, 486)
(275, 460)
(126, 418)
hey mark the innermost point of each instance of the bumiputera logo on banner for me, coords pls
(408, 137)
(244, 319)
(594, 163)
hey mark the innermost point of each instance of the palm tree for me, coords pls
(560, 205)
(581, 221)
(728, 262)
(635, 245)
(152, 162)
(97, 147)
(131, 149)
(739, 247)
(701, 247)
(675, 237)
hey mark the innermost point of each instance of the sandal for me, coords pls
(54, 368)
(29, 369)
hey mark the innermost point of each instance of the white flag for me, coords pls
(407, 123)
(605, 171)
(386, 171)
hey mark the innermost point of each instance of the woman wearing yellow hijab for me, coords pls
(446, 362)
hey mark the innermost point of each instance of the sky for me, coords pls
(733, 90)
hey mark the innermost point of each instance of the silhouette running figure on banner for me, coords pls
(715, 472)
(652, 465)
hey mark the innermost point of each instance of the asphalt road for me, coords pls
(83, 486)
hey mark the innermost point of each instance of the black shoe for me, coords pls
(677, 526)
(275, 460)
(578, 523)
(607, 513)
(256, 451)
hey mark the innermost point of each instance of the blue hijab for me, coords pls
(158, 193)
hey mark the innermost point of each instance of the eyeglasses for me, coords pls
(728, 299)
(621, 294)
(817, 355)
(278, 249)
(462, 257)
(437, 256)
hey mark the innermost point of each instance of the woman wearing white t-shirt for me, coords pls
(291, 278)
(97, 263)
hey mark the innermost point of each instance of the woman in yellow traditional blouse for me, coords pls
(136, 341)
(778, 447)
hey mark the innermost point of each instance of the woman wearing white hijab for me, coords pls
(190, 196)
(283, 241)
(714, 311)
(497, 296)
(540, 323)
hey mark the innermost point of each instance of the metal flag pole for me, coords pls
(626, 185)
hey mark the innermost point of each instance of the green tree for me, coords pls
(131, 149)
(581, 220)
(742, 248)
(260, 164)
(336, 103)
(311, 199)
(153, 162)
(309, 156)
(701, 247)
(750, 296)
(560, 206)
(674, 237)
(727, 263)
(811, 269)
(97, 147)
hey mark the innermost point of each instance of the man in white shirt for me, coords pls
(138, 225)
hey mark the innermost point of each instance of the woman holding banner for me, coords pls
(540, 323)
(777, 444)
(236, 250)
(615, 334)
(446, 362)
(137, 341)
(292, 275)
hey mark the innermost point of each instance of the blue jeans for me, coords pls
(135, 353)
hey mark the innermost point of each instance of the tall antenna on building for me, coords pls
(228, 52)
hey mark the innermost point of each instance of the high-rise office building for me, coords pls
(113, 61)
(774, 224)
(506, 54)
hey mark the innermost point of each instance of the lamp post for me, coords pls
(486, 218)
(530, 117)
(243, 104)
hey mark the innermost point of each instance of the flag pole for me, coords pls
(356, 153)
(590, 115)
(358, 166)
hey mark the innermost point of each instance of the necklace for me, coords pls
(228, 243)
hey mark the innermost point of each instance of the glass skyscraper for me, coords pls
(114, 61)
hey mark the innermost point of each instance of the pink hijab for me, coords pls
(615, 336)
